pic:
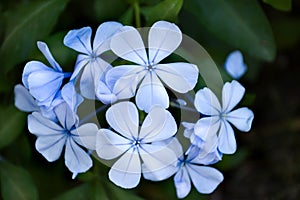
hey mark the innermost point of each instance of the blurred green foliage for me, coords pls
(220, 26)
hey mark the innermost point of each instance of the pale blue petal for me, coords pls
(164, 37)
(181, 77)
(227, 142)
(232, 93)
(182, 183)
(128, 44)
(206, 102)
(234, 65)
(33, 67)
(81, 61)
(159, 163)
(188, 129)
(90, 77)
(43, 85)
(66, 117)
(126, 171)
(79, 40)
(70, 95)
(123, 117)
(46, 52)
(85, 135)
(104, 94)
(110, 145)
(51, 146)
(151, 93)
(123, 80)
(241, 118)
(41, 126)
(103, 35)
(205, 179)
(23, 99)
(206, 127)
(76, 159)
(158, 125)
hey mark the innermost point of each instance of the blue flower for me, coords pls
(235, 65)
(53, 135)
(221, 115)
(144, 149)
(89, 61)
(191, 169)
(164, 38)
(42, 81)
(24, 101)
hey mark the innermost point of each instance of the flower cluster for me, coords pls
(138, 147)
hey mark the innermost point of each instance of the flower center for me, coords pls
(150, 67)
(136, 143)
(93, 57)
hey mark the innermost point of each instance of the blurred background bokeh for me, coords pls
(267, 32)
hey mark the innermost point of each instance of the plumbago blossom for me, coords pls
(234, 65)
(139, 146)
(216, 128)
(163, 39)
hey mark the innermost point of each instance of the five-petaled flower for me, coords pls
(144, 149)
(164, 38)
(219, 116)
(89, 62)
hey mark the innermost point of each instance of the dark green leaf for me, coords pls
(127, 17)
(25, 25)
(11, 124)
(16, 183)
(166, 10)
(109, 10)
(242, 24)
(284, 5)
(118, 193)
(78, 193)
(231, 161)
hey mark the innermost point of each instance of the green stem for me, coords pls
(136, 8)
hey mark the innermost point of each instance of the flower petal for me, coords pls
(157, 167)
(70, 95)
(206, 127)
(90, 77)
(128, 44)
(104, 94)
(227, 142)
(164, 38)
(103, 35)
(123, 80)
(126, 172)
(81, 61)
(23, 99)
(182, 183)
(50, 146)
(46, 52)
(66, 117)
(110, 145)
(235, 65)
(41, 126)
(123, 117)
(188, 129)
(206, 102)
(76, 159)
(44, 85)
(85, 135)
(205, 179)
(79, 40)
(181, 77)
(232, 93)
(241, 118)
(151, 93)
(158, 125)
(33, 67)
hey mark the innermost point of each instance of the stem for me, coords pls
(183, 107)
(89, 116)
(136, 8)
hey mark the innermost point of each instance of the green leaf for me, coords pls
(242, 24)
(16, 183)
(25, 25)
(166, 10)
(80, 192)
(284, 5)
(118, 193)
(11, 124)
(109, 10)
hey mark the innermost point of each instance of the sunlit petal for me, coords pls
(232, 93)
(79, 40)
(227, 142)
(241, 118)
(206, 102)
